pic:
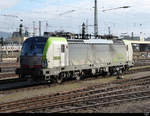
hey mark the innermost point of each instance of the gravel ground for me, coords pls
(68, 86)
(131, 107)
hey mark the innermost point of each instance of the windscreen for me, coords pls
(33, 46)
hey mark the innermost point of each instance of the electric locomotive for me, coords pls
(57, 58)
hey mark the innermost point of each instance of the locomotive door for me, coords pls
(63, 58)
(56, 55)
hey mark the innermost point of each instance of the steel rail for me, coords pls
(113, 102)
(105, 89)
(79, 101)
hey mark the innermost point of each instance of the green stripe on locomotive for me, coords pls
(49, 43)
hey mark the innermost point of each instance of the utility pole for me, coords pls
(132, 35)
(95, 20)
(33, 28)
(1, 52)
(109, 32)
(21, 32)
(46, 26)
(83, 30)
(87, 26)
(39, 28)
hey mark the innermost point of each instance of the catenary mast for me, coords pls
(95, 20)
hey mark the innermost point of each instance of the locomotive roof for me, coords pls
(89, 41)
(95, 41)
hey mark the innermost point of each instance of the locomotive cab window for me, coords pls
(62, 48)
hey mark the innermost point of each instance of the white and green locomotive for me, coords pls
(56, 58)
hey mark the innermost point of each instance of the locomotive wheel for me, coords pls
(21, 76)
(120, 77)
(104, 74)
(120, 74)
(59, 80)
(78, 78)
(30, 80)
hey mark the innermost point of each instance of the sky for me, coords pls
(69, 15)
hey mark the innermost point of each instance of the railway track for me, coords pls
(98, 95)
(8, 75)
(138, 69)
(110, 100)
(8, 69)
(36, 85)
(9, 64)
